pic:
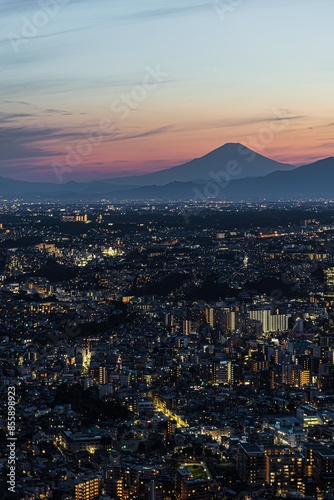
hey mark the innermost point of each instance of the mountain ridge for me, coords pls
(251, 163)
(312, 180)
(304, 182)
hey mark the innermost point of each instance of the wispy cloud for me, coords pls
(23, 103)
(43, 142)
(146, 133)
(33, 142)
(12, 117)
(236, 122)
(173, 9)
(9, 6)
(325, 145)
(20, 142)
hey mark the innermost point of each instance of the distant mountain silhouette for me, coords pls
(312, 181)
(197, 180)
(12, 188)
(315, 180)
(245, 162)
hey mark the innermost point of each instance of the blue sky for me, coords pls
(73, 79)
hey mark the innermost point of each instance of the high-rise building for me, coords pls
(263, 316)
(304, 378)
(329, 282)
(114, 488)
(319, 464)
(278, 322)
(270, 322)
(188, 488)
(324, 466)
(251, 464)
(284, 469)
(87, 489)
(223, 319)
(222, 373)
(196, 489)
(154, 491)
(102, 375)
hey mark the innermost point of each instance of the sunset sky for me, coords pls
(118, 87)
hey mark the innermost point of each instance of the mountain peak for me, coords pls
(231, 146)
(235, 148)
(208, 168)
(234, 145)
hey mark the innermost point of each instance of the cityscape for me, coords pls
(166, 250)
(168, 351)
